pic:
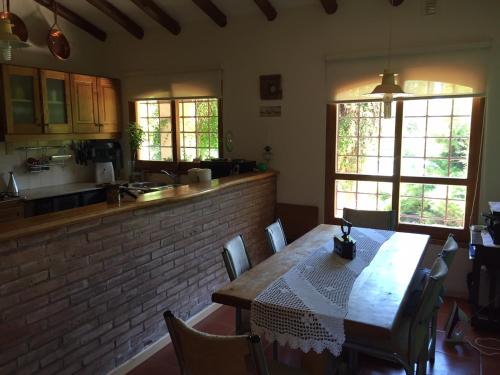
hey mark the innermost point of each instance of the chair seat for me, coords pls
(276, 368)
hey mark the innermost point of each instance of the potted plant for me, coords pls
(135, 139)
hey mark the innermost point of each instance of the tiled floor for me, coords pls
(458, 359)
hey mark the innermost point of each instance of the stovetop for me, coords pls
(7, 197)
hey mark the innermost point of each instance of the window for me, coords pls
(422, 162)
(180, 130)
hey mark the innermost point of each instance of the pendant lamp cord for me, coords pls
(389, 49)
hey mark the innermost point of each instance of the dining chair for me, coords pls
(276, 236)
(385, 220)
(410, 343)
(236, 259)
(202, 353)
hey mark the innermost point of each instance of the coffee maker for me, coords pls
(107, 157)
(493, 221)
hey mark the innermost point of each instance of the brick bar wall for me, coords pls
(86, 298)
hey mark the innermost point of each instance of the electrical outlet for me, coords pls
(429, 7)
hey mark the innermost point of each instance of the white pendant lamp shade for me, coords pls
(388, 90)
(8, 40)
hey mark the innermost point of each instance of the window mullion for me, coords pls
(174, 110)
(398, 139)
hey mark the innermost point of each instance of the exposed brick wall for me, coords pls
(87, 297)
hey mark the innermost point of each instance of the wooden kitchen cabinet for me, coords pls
(108, 96)
(39, 104)
(85, 107)
(56, 102)
(11, 210)
(21, 99)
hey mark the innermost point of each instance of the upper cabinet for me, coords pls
(56, 102)
(108, 95)
(52, 104)
(85, 108)
(22, 100)
(96, 106)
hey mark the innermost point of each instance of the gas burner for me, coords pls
(5, 196)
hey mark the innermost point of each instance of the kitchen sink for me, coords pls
(148, 186)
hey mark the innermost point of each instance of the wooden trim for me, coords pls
(362, 177)
(212, 11)
(434, 180)
(475, 159)
(330, 6)
(132, 112)
(220, 128)
(331, 125)
(75, 19)
(119, 17)
(398, 140)
(60, 137)
(159, 15)
(267, 8)
(174, 113)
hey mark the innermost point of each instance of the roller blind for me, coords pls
(173, 85)
(450, 71)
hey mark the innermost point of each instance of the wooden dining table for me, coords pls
(378, 294)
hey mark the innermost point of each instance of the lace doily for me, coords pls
(306, 307)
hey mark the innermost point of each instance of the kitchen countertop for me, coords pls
(42, 223)
(54, 191)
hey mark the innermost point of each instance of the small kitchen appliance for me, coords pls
(104, 173)
(12, 188)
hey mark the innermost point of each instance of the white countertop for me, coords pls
(53, 191)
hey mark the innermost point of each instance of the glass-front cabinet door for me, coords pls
(22, 100)
(56, 101)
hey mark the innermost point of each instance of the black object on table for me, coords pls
(487, 255)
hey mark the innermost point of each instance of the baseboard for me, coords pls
(161, 343)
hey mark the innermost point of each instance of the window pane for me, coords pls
(155, 120)
(199, 129)
(363, 136)
(427, 204)
(436, 141)
(362, 195)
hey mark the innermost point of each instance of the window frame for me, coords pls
(176, 165)
(471, 182)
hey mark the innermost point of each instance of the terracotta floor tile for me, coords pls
(450, 359)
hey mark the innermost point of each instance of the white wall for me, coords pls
(295, 45)
(86, 52)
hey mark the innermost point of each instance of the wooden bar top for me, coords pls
(51, 221)
(377, 295)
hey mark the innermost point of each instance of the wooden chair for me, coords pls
(410, 344)
(276, 236)
(371, 219)
(236, 259)
(200, 353)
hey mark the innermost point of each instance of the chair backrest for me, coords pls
(276, 236)
(449, 250)
(201, 353)
(236, 257)
(371, 219)
(419, 329)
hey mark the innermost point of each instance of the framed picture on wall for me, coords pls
(270, 87)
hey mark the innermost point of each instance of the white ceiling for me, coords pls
(184, 11)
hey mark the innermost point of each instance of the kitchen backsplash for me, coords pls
(57, 175)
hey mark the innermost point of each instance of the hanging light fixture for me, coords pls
(8, 40)
(388, 90)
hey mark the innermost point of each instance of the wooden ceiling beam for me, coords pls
(119, 17)
(267, 8)
(159, 15)
(330, 6)
(212, 11)
(75, 19)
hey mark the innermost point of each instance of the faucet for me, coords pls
(172, 175)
